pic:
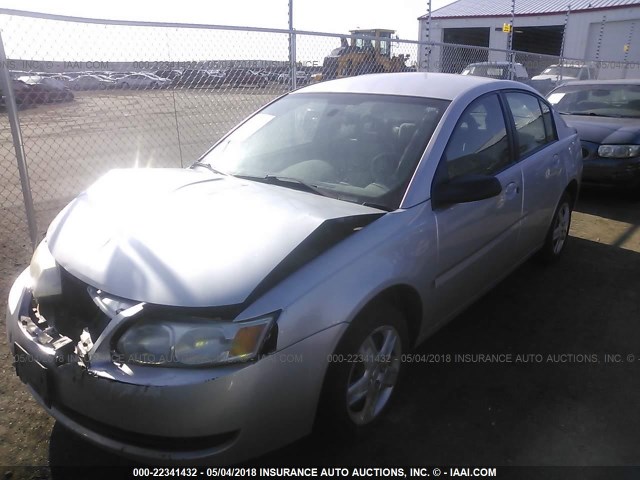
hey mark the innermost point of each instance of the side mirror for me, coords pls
(464, 189)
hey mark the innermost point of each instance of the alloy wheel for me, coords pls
(373, 374)
(561, 227)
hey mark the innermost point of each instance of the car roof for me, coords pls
(502, 64)
(446, 86)
(573, 64)
(626, 81)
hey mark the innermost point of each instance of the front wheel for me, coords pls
(364, 370)
(558, 234)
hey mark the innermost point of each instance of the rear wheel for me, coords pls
(558, 233)
(364, 370)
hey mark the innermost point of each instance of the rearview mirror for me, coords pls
(464, 189)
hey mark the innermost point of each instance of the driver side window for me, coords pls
(478, 144)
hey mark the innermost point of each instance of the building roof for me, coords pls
(502, 8)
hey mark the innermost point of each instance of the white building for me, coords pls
(600, 30)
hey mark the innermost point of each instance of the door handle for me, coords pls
(511, 190)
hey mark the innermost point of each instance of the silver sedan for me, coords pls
(214, 313)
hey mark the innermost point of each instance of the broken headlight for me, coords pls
(45, 273)
(193, 342)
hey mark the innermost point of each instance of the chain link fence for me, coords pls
(95, 95)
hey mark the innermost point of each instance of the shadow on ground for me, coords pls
(611, 204)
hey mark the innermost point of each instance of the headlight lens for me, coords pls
(44, 272)
(193, 342)
(619, 151)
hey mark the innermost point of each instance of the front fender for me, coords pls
(398, 249)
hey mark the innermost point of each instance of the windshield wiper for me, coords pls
(285, 182)
(590, 114)
(379, 206)
(208, 167)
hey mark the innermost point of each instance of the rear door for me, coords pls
(477, 240)
(540, 155)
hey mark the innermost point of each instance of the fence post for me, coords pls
(512, 57)
(14, 121)
(564, 35)
(428, 46)
(292, 48)
(627, 48)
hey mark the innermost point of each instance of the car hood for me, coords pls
(192, 238)
(555, 78)
(604, 130)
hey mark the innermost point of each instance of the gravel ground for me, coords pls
(558, 411)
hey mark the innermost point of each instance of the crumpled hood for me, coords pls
(185, 237)
(605, 130)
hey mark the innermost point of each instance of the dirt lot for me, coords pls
(560, 410)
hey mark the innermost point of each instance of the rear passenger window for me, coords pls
(478, 144)
(530, 125)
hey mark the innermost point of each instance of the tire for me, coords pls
(360, 383)
(558, 233)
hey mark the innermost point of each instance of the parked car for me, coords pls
(170, 74)
(22, 93)
(501, 70)
(273, 75)
(498, 70)
(117, 75)
(566, 72)
(65, 79)
(92, 82)
(193, 78)
(142, 81)
(328, 234)
(43, 90)
(302, 78)
(606, 114)
(241, 77)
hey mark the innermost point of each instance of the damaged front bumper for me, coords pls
(215, 415)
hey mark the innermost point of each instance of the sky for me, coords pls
(333, 16)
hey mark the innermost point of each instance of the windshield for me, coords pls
(493, 71)
(564, 71)
(354, 147)
(607, 100)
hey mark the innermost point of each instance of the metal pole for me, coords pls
(628, 47)
(428, 34)
(292, 48)
(510, 42)
(600, 35)
(564, 36)
(14, 121)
